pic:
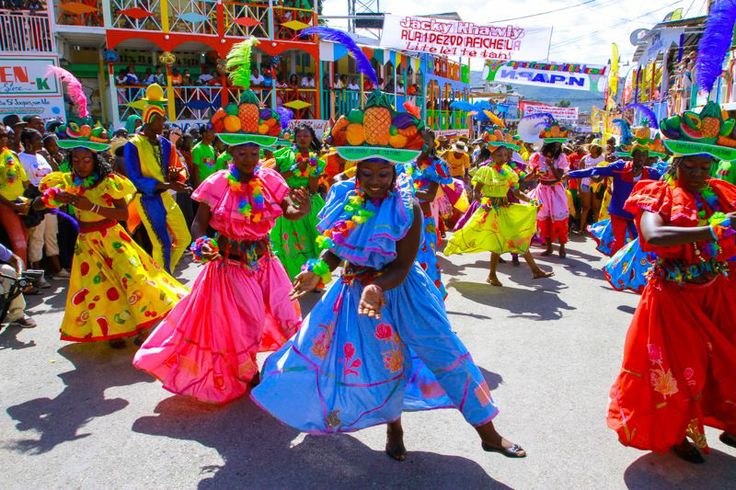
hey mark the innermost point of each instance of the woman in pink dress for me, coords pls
(549, 166)
(239, 305)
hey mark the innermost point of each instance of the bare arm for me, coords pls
(201, 221)
(313, 185)
(429, 194)
(655, 232)
(296, 205)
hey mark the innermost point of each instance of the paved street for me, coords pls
(80, 416)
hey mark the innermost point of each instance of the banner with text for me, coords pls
(320, 126)
(539, 78)
(457, 38)
(561, 113)
(25, 89)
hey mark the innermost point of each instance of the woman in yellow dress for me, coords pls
(116, 290)
(499, 226)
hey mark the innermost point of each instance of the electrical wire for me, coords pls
(545, 13)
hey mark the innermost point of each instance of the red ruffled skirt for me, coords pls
(679, 368)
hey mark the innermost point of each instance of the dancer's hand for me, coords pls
(208, 254)
(372, 301)
(179, 187)
(23, 207)
(81, 202)
(299, 197)
(304, 283)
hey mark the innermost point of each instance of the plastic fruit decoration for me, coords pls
(708, 127)
(377, 119)
(249, 112)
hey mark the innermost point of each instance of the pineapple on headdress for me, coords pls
(245, 121)
(554, 132)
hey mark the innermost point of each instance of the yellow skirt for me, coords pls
(498, 229)
(115, 289)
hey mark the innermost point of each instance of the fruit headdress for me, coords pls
(707, 133)
(498, 137)
(554, 132)
(154, 103)
(378, 130)
(245, 122)
(639, 139)
(82, 132)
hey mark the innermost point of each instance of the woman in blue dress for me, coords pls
(379, 342)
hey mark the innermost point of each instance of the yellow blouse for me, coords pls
(12, 176)
(496, 182)
(112, 188)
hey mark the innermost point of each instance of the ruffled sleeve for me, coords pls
(482, 176)
(563, 163)
(211, 191)
(651, 196)
(118, 187)
(373, 243)
(275, 183)
(285, 159)
(59, 180)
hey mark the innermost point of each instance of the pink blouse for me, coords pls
(223, 202)
(539, 163)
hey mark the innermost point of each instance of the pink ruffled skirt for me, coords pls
(206, 347)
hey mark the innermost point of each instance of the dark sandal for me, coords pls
(514, 451)
(728, 439)
(396, 454)
(688, 452)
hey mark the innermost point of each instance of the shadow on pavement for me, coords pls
(260, 452)
(9, 339)
(58, 420)
(539, 304)
(494, 380)
(666, 471)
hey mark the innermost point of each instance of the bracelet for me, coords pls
(198, 245)
(320, 268)
(96, 209)
(48, 198)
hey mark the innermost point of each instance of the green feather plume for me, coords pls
(238, 62)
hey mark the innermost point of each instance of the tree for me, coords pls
(564, 103)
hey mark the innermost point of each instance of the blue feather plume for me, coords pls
(648, 113)
(361, 60)
(715, 43)
(285, 116)
(626, 135)
(461, 105)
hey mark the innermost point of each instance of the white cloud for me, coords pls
(582, 34)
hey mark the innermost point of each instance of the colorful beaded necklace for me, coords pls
(252, 204)
(81, 185)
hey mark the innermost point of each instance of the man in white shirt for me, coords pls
(42, 236)
(205, 77)
(308, 81)
(256, 79)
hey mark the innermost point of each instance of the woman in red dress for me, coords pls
(680, 353)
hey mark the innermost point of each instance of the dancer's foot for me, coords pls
(688, 452)
(515, 261)
(493, 281)
(541, 274)
(395, 442)
(547, 252)
(492, 441)
(563, 252)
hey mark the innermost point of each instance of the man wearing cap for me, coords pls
(16, 124)
(152, 164)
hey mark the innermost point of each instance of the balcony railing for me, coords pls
(241, 19)
(82, 13)
(25, 31)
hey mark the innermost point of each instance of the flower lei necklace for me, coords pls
(81, 185)
(252, 204)
(11, 170)
(311, 160)
(356, 213)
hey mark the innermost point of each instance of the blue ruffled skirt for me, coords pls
(628, 268)
(602, 233)
(343, 372)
